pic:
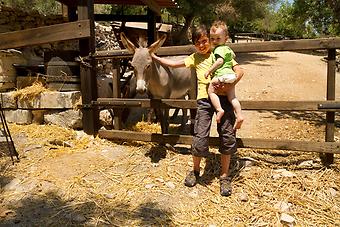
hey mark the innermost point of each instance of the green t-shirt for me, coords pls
(228, 56)
(202, 64)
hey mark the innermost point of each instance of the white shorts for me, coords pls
(227, 78)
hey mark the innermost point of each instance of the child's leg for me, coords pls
(237, 108)
(197, 161)
(225, 162)
(215, 101)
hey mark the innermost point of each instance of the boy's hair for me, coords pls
(219, 24)
(198, 32)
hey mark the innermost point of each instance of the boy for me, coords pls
(223, 73)
(202, 61)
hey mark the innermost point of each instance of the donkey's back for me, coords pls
(169, 82)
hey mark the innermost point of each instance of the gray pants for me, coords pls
(205, 111)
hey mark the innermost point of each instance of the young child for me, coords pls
(202, 61)
(223, 73)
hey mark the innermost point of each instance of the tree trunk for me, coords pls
(181, 38)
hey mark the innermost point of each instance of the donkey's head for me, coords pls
(142, 60)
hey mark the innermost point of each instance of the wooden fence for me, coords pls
(330, 106)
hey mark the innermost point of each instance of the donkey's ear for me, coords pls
(127, 43)
(154, 47)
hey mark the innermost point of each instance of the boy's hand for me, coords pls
(206, 75)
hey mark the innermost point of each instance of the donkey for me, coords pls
(160, 81)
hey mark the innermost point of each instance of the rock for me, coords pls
(149, 186)
(288, 174)
(332, 192)
(109, 196)
(308, 163)
(283, 206)
(14, 185)
(32, 147)
(170, 185)
(287, 219)
(244, 197)
(193, 194)
(67, 119)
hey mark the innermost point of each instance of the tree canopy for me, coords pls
(299, 19)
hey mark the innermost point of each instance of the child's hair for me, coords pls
(219, 24)
(198, 32)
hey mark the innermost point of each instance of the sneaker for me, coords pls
(225, 184)
(191, 178)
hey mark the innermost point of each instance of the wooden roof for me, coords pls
(150, 3)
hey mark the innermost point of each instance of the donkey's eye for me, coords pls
(147, 66)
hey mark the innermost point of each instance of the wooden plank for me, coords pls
(45, 34)
(285, 45)
(246, 105)
(310, 146)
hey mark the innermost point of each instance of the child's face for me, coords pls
(218, 37)
(202, 45)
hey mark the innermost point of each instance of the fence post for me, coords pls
(116, 93)
(88, 74)
(330, 116)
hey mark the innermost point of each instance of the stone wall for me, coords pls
(51, 107)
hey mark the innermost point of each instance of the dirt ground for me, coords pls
(94, 182)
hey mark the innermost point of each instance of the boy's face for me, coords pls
(202, 45)
(218, 37)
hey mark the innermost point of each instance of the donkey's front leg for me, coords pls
(164, 119)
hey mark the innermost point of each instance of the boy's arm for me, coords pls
(168, 62)
(215, 66)
(222, 87)
(239, 73)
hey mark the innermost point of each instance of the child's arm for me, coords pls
(169, 62)
(215, 66)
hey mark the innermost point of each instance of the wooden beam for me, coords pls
(286, 45)
(311, 146)
(45, 34)
(126, 18)
(246, 105)
(330, 95)
(88, 74)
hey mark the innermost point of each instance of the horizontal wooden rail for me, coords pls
(45, 34)
(283, 45)
(323, 147)
(246, 105)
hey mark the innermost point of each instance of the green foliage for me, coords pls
(128, 10)
(42, 6)
(301, 19)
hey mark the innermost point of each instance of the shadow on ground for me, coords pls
(51, 210)
(315, 118)
(249, 58)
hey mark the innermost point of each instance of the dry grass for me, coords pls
(30, 92)
(142, 185)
